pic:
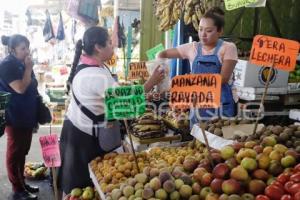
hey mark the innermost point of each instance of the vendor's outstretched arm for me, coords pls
(169, 53)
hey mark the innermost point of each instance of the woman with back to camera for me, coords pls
(82, 138)
(210, 55)
(17, 77)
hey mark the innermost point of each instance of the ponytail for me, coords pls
(78, 52)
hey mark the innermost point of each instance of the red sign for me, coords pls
(50, 150)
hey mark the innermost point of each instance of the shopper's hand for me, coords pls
(158, 75)
(28, 62)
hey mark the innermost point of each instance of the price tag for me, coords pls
(234, 4)
(50, 150)
(137, 70)
(266, 49)
(125, 102)
(196, 90)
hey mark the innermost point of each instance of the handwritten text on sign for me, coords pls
(199, 90)
(234, 4)
(266, 50)
(112, 62)
(50, 150)
(138, 70)
(124, 102)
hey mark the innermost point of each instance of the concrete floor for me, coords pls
(34, 155)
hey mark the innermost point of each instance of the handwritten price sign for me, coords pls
(50, 150)
(137, 70)
(112, 62)
(199, 90)
(234, 4)
(266, 50)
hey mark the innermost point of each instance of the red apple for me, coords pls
(198, 173)
(274, 192)
(237, 146)
(231, 186)
(283, 178)
(288, 185)
(221, 171)
(217, 158)
(295, 177)
(231, 162)
(286, 197)
(262, 197)
(297, 196)
(256, 187)
(212, 196)
(260, 174)
(206, 179)
(295, 188)
(258, 149)
(216, 185)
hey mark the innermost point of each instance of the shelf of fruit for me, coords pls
(240, 171)
(294, 76)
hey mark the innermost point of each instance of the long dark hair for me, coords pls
(92, 36)
(217, 15)
(13, 41)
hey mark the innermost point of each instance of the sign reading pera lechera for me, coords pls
(124, 102)
(234, 4)
(267, 50)
(196, 90)
(137, 70)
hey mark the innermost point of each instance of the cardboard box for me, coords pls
(295, 114)
(249, 75)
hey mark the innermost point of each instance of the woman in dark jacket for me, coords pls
(17, 77)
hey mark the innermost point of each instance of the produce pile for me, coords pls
(176, 120)
(294, 76)
(170, 11)
(35, 170)
(240, 171)
(87, 193)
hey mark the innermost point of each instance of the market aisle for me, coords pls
(34, 155)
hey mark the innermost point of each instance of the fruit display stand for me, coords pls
(96, 184)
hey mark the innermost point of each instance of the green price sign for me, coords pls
(234, 4)
(151, 53)
(125, 102)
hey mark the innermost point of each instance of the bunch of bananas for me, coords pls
(170, 11)
(148, 126)
(35, 170)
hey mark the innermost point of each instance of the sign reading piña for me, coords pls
(196, 90)
(137, 70)
(267, 50)
(50, 150)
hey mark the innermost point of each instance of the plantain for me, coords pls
(143, 128)
(187, 18)
(195, 22)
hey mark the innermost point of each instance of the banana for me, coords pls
(143, 128)
(195, 21)
(187, 18)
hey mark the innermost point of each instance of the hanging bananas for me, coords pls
(170, 11)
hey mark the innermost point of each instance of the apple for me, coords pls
(216, 185)
(223, 197)
(204, 192)
(237, 146)
(212, 196)
(295, 177)
(267, 150)
(269, 141)
(260, 174)
(275, 168)
(221, 171)
(297, 168)
(288, 185)
(239, 173)
(249, 164)
(263, 161)
(248, 196)
(274, 192)
(295, 188)
(256, 187)
(283, 178)
(234, 197)
(280, 147)
(270, 180)
(227, 152)
(231, 163)
(196, 188)
(275, 155)
(258, 149)
(297, 196)
(206, 179)
(288, 161)
(231, 186)
(250, 144)
(217, 158)
(262, 197)
(198, 173)
(286, 197)
(293, 153)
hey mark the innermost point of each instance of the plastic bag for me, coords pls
(165, 84)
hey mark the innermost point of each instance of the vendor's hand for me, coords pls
(28, 62)
(157, 76)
